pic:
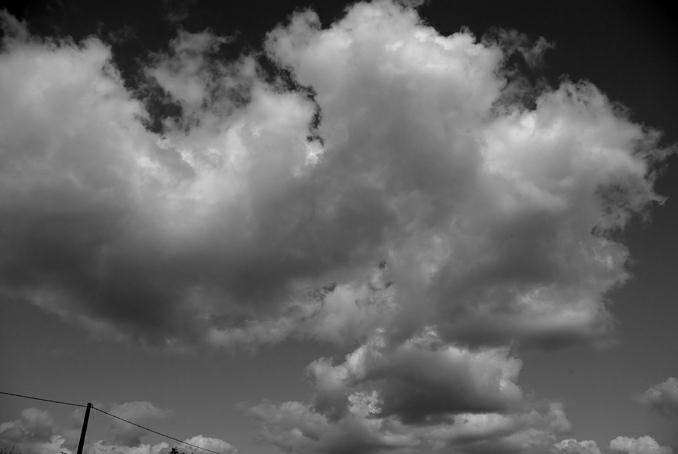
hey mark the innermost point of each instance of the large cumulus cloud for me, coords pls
(496, 220)
(263, 206)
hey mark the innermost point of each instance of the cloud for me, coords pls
(572, 446)
(141, 412)
(662, 398)
(418, 379)
(641, 445)
(34, 425)
(397, 190)
(295, 427)
(192, 76)
(513, 41)
(418, 395)
(178, 10)
(101, 447)
(383, 187)
(37, 433)
(213, 444)
(33, 433)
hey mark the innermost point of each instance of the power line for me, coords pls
(43, 400)
(154, 431)
(112, 416)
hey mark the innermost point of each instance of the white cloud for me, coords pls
(213, 444)
(662, 398)
(491, 218)
(640, 445)
(101, 447)
(572, 446)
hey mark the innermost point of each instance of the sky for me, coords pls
(331, 227)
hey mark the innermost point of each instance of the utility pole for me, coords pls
(84, 428)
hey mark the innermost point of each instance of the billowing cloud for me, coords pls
(572, 446)
(141, 412)
(265, 210)
(418, 379)
(33, 433)
(419, 395)
(662, 398)
(399, 193)
(298, 428)
(640, 445)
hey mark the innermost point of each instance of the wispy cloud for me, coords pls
(572, 446)
(662, 398)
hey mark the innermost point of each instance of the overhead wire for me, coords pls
(61, 402)
(153, 431)
(72, 404)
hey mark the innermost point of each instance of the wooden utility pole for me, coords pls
(84, 428)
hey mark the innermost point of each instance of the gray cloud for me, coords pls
(295, 427)
(640, 445)
(34, 426)
(418, 379)
(418, 395)
(662, 398)
(572, 446)
(36, 432)
(213, 444)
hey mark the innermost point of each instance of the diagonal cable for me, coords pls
(154, 431)
(61, 402)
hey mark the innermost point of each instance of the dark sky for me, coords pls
(448, 235)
